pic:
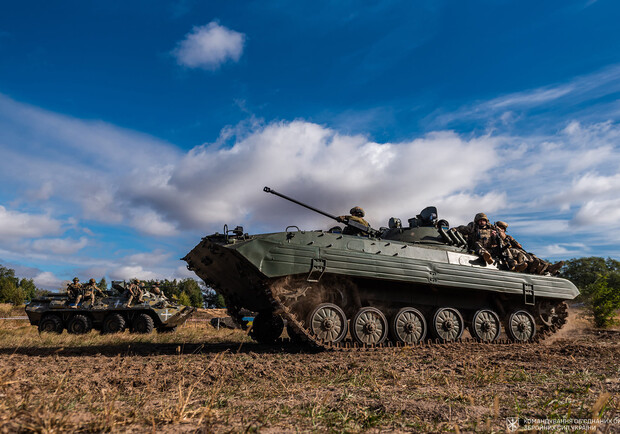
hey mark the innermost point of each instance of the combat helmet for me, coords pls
(502, 225)
(92, 280)
(75, 279)
(480, 216)
(357, 211)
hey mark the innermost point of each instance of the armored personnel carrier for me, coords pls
(109, 314)
(361, 287)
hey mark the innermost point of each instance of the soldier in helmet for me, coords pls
(141, 291)
(357, 215)
(481, 236)
(132, 291)
(74, 291)
(90, 290)
(516, 257)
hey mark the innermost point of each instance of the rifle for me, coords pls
(348, 222)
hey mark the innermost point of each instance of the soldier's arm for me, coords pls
(515, 243)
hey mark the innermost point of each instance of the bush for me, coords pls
(604, 299)
(184, 299)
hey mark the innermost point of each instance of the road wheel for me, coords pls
(408, 326)
(267, 327)
(79, 325)
(50, 324)
(447, 324)
(485, 326)
(328, 323)
(520, 326)
(143, 324)
(113, 323)
(369, 326)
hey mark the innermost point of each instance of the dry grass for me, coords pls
(207, 380)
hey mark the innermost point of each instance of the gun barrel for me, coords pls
(269, 190)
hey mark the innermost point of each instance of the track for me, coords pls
(280, 307)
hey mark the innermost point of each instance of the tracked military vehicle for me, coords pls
(398, 285)
(109, 314)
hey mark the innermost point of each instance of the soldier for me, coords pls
(91, 290)
(481, 237)
(516, 257)
(74, 291)
(132, 291)
(141, 291)
(357, 215)
(158, 292)
(522, 260)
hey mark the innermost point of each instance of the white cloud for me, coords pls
(60, 246)
(48, 280)
(209, 46)
(127, 272)
(147, 259)
(556, 97)
(151, 223)
(16, 225)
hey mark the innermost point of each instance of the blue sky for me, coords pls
(128, 130)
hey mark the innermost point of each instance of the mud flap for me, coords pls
(528, 294)
(316, 270)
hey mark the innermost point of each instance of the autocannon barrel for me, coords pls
(269, 190)
(351, 223)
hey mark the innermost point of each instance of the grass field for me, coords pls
(202, 379)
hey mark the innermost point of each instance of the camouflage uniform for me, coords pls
(522, 260)
(515, 256)
(481, 238)
(75, 291)
(132, 291)
(357, 214)
(141, 291)
(90, 290)
(158, 292)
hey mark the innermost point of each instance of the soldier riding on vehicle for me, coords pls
(357, 215)
(74, 291)
(482, 237)
(91, 290)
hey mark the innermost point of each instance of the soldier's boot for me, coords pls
(555, 268)
(521, 267)
(487, 257)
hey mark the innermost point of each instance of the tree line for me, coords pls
(598, 279)
(15, 290)
(186, 291)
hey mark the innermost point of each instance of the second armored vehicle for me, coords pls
(109, 314)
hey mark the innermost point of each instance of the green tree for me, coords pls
(10, 292)
(604, 299)
(585, 271)
(29, 289)
(598, 279)
(193, 291)
(103, 284)
(212, 299)
(184, 299)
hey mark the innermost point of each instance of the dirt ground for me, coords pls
(202, 379)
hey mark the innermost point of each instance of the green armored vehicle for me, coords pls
(400, 285)
(108, 315)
